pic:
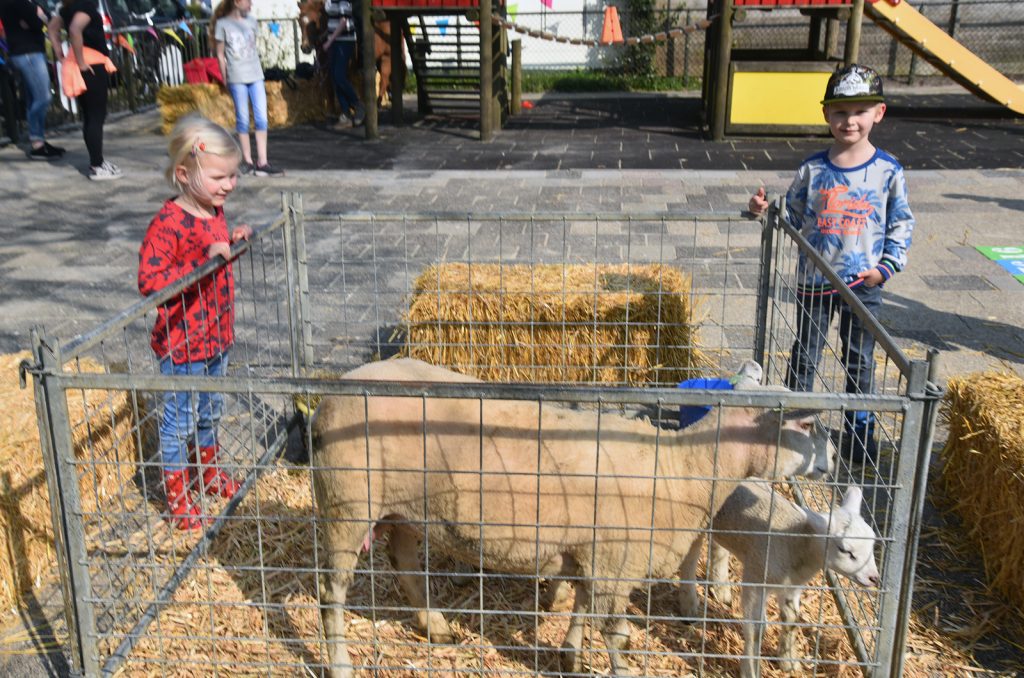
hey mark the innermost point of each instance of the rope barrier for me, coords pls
(647, 39)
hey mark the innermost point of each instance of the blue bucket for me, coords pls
(691, 414)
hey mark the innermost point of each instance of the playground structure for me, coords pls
(454, 79)
(756, 91)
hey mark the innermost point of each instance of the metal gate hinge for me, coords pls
(931, 392)
(25, 367)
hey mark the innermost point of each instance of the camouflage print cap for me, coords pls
(854, 83)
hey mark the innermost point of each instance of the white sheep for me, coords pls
(525, 488)
(781, 546)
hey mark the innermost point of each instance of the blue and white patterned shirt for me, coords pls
(858, 218)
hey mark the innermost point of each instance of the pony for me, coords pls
(313, 29)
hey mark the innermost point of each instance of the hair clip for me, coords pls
(197, 147)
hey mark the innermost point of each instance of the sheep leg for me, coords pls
(616, 639)
(719, 572)
(570, 654)
(753, 598)
(403, 550)
(689, 601)
(334, 585)
(789, 611)
(556, 596)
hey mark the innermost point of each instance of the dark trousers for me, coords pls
(341, 56)
(92, 103)
(814, 317)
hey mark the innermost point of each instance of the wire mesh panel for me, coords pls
(528, 454)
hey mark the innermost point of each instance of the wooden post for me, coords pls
(486, 71)
(369, 71)
(722, 61)
(517, 77)
(852, 47)
(831, 37)
(397, 67)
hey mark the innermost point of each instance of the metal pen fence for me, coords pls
(318, 294)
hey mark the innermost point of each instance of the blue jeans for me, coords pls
(341, 55)
(243, 94)
(814, 316)
(36, 77)
(181, 421)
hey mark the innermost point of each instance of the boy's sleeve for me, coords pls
(160, 262)
(898, 228)
(796, 198)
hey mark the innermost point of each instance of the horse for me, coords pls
(313, 28)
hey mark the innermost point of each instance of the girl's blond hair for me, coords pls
(192, 137)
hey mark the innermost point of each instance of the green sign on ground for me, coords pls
(1010, 257)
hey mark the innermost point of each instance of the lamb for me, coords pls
(800, 542)
(519, 488)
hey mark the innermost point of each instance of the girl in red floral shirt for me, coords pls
(195, 328)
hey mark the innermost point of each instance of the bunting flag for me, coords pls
(126, 43)
(184, 26)
(547, 3)
(152, 31)
(443, 25)
(174, 35)
(513, 10)
(275, 28)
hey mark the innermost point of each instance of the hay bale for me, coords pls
(983, 471)
(552, 323)
(101, 421)
(310, 101)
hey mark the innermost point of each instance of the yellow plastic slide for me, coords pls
(936, 47)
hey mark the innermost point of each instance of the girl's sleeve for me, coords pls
(898, 228)
(160, 261)
(220, 33)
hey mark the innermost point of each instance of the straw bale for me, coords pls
(983, 471)
(310, 101)
(101, 421)
(551, 323)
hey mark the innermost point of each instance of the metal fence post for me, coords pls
(894, 603)
(65, 505)
(764, 283)
(931, 396)
(302, 270)
(290, 264)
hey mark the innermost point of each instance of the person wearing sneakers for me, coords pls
(235, 30)
(84, 26)
(23, 22)
(850, 202)
(340, 47)
(194, 330)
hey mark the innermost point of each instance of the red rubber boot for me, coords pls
(215, 480)
(183, 513)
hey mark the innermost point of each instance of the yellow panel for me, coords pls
(777, 98)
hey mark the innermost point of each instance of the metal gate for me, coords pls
(319, 294)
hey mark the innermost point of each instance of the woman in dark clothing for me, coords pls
(85, 32)
(23, 22)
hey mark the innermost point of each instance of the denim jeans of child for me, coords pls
(36, 77)
(243, 94)
(190, 417)
(814, 316)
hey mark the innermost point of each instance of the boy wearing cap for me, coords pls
(850, 202)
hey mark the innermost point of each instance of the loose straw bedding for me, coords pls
(635, 325)
(983, 471)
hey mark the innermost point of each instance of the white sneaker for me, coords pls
(105, 172)
(344, 122)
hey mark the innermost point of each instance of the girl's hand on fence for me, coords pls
(758, 202)
(219, 248)
(872, 277)
(241, 232)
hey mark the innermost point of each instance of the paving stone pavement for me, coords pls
(68, 247)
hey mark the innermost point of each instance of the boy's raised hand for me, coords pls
(758, 202)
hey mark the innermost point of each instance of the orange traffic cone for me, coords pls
(612, 31)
